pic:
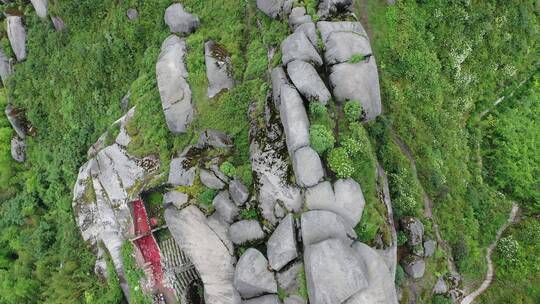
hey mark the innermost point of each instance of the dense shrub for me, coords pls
(317, 109)
(207, 196)
(400, 275)
(340, 162)
(321, 138)
(401, 238)
(228, 169)
(353, 110)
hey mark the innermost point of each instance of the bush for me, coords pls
(352, 110)
(207, 196)
(321, 138)
(351, 145)
(228, 169)
(340, 162)
(401, 238)
(438, 299)
(400, 275)
(508, 249)
(316, 109)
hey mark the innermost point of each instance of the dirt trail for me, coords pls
(490, 272)
(428, 203)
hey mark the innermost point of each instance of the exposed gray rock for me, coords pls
(218, 68)
(246, 231)
(210, 180)
(358, 81)
(350, 199)
(414, 266)
(123, 138)
(252, 277)
(207, 252)
(180, 21)
(279, 211)
(173, 88)
(294, 300)
(180, 172)
(298, 47)
(272, 8)
(288, 279)
(287, 6)
(294, 119)
(429, 247)
(18, 149)
(279, 78)
(132, 14)
(266, 299)
(226, 209)
(381, 288)
(97, 146)
(175, 198)
(221, 229)
(307, 81)
(124, 102)
(17, 36)
(214, 139)
(310, 31)
(214, 167)
(334, 272)
(5, 67)
(342, 46)
(326, 28)
(329, 8)
(58, 23)
(320, 225)
(281, 246)
(414, 230)
(321, 197)
(17, 119)
(239, 192)
(41, 7)
(298, 16)
(440, 287)
(307, 167)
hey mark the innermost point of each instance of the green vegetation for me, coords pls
(340, 162)
(352, 110)
(134, 275)
(228, 169)
(207, 196)
(321, 138)
(356, 58)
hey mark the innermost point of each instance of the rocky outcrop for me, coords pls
(179, 21)
(208, 252)
(5, 67)
(252, 277)
(132, 14)
(288, 279)
(267, 299)
(18, 149)
(210, 180)
(320, 225)
(306, 79)
(298, 16)
(105, 185)
(17, 119)
(294, 119)
(328, 8)
(173, 87)
(272, 8)
(298, 47)
(307, 167)
(181, 171)
(281, 246)
(41, 7)
(429, 248)
(294, 300)
(218, 68)
(58, 23)
(17, 36)
(239, 192)
(225, 208)
(214, 139)
(246, 231)
(414, 266)
(175, 198)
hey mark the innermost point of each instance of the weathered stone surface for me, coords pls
(381, 288)
(252, 277)
(358, 81)
(221, 229)
(272, 8)
(414, 230)
(132, 14)
(180, 21)
(214, 167)
(41, 7)
(239, 192)
(327, 27)
(294, 300)
(210, 180)
(288, 6)
(329, 8)
(281, 246)
(333, 272)
(173, 88)
(226, 209)
(180, 172)
(321, 197)
(266, 299)
(269, 163)
(5, 67)
(342, 46)
(320, 225)
(288, 279)
(58, 23)
(310, 31)
(298, 47)
(17, 119)
(207, 252)
(294, 119)
(414, 266)
(123, 138)
(429, 247)
(175, 198)
(298, 16)
(307, 167)
(18, 149)
(350, 199)
(124, 102)
(306, 79)
(218, 68)
(440, 287)
(214, 139)
(279, 78)
(17, 36)
(246, 231)
(97, 146)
